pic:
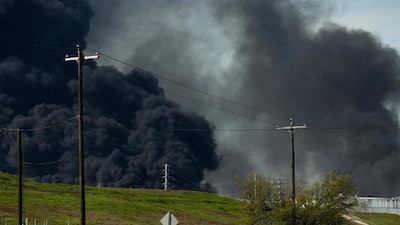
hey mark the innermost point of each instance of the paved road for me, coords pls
(355, 219)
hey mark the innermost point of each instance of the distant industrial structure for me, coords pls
(379, 205)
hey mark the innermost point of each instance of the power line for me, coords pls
(34, 46)
(219, 108)
(226, 129)
(189, 87)
(46, 127)
(252, 129)
(173, 178)
(235, 129)
(43, 163)
(358, 127)
(185, 178)
(8, 38)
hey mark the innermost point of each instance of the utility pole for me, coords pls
(255, 184)
(280, 194)
(20, 179)
(291, 130)
(80, 59)
(166, 176)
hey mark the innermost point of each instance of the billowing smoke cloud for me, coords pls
(268, 55)
(271, 56)
(131, 129)
(333, 77)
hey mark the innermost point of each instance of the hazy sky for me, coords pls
(378, 17)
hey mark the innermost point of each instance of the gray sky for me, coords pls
(378, 17)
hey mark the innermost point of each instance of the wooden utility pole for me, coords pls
(80, 59)
(20, 179)
(291, 130)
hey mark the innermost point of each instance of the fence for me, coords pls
(28, 221)
(379, 205)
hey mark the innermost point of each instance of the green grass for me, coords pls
(379, 218)
(59, 202)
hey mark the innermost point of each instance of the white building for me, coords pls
(379, 205)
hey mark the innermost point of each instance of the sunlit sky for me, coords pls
(381, 17)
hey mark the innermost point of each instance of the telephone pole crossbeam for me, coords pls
(80, 59)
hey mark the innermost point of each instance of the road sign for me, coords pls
(169, 219)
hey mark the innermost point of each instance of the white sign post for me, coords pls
(169, 219)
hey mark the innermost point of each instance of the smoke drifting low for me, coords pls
(131, 129)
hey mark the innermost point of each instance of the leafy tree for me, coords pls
(327, 200)
(323, 203)
(261, 196)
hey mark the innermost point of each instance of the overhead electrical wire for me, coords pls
(179, 180)
(226, 129)
(34, 46)
(59, 43)
(191, 87)
(43, 163)
(219, 108)
(45, 127)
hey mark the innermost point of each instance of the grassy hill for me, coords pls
(379, 218)
(59, 202)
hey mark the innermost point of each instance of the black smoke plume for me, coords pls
(276, 57)
(330, 78)
(131, 129)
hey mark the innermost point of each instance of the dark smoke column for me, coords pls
(125, 146)
(332, 77)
